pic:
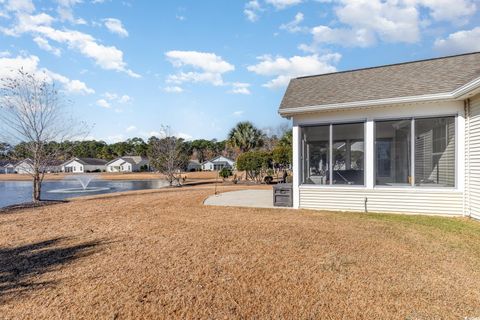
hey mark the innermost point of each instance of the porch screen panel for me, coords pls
(315, 155)
(435, 152)
(348, 154)
(393, 152)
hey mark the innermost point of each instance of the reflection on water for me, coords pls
(13, 192)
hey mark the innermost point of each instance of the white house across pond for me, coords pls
(218, 163)
(6, 167)
(128, 164)
(81, 165)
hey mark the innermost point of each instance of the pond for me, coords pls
(15, 192)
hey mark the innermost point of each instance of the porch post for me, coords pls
(369, 154)
(296, 165)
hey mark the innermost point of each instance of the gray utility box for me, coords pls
(283, 195)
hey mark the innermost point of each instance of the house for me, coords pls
(194, 165)
(397, 138)
(6, 167)
(80, 165)
(218, 163)
(128, 164)
(24, 166)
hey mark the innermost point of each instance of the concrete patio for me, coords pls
(242, 198)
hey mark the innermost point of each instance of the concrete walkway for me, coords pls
(242, 198)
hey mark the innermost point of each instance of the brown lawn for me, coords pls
(164, 255)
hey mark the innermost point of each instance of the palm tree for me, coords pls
(245, 136)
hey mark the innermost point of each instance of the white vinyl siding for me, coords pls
(383, 200)
(473, 163)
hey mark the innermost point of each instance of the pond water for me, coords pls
(14, 192)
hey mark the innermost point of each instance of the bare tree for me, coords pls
(168, 155)
(32, 112)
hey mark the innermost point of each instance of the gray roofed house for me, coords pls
(402, 138)
(81, 165)
(128, 164)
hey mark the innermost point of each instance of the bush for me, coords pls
(254, 163)
(225, 173)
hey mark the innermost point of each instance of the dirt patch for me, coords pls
(163, 254)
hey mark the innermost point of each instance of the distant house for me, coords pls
(194, 165)
(128, 164)
(6, 167)
(218, 163)
(24, 166)
(80, 165)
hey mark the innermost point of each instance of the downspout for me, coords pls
(466, 195)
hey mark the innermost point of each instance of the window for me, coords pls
(435, 152)
(426, 160)
(393, 152)
(348, 153)
(337, 146)
(316, 155)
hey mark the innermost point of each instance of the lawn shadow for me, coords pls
(20, 265)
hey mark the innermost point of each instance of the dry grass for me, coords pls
(164, 255)
(112, 176)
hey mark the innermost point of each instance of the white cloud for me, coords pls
(115, 26)
(447, 10)
(125, 99)
(30, 64)
(210, 66)
(20, 6)
(294, 25)
(183, 135)
(283, 69)
(103, 103)
(65, 11)
(365, 22)
(282, 4)
(45, 45)
(131, 129)
(240, 88)
(173, 89)
(107, 57)
(110, 98)
(346, 37)
(251, 10)
(238, 113)
(460, 42)
(4, 54)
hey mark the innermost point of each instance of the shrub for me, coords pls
(225, 173)
(254, 163)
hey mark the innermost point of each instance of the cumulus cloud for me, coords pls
(238, 113)
(103, 103)
(282, 4)
(115, 26)
(208, 67)
(131, 129)
(283, 69)
(173, 89)
(240, 88)
(365, 22)
(251, 10)
(294, 25)
(30, 64)
(460, 42)
(43, 43)
(40, 27)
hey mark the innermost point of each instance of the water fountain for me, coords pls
(84, 180)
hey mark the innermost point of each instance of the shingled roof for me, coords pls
(417, 78)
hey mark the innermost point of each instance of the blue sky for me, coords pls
(202, 66)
